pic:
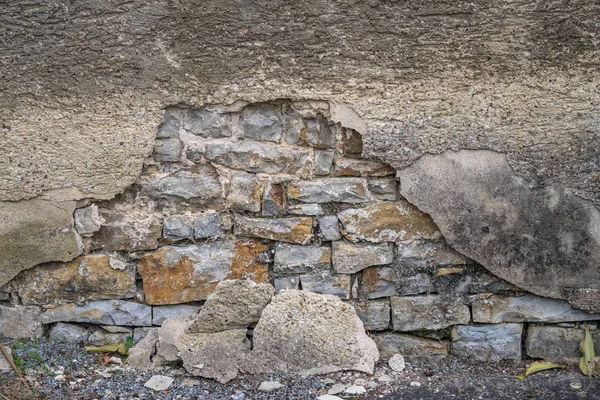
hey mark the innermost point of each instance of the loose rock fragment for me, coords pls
(396, 363)
(159, 383)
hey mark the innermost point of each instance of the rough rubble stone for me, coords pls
(431, 312)
(286, 283)
(175, 275)
(260, 157)
(167, 150)
(329, 228)
(168, 338)
(102, 337)
(127, 231)
(70, 333)
(200, 182)
(5, 365)
(305, 209)
(327, 190)
(88, 220)
(324, 283)
(261, 122)
(387, 222)
(21, 322)
(161, 313)
(396, 363)
(207, 225)
(89, 277)
(544, 240)
(274, 202)
(290, 230)
(34, 232)
(584, 299)
(245, 192)
(352, 143)
(206, 123)
(379, 282)
(307, 333)
(393, 343)
(140, 355)
(169, 128)
(349, 258)
(318, 134)
(361, 167)
(383, 188)
(419, 252)
(234, 304)
(415, 284)
(141, 332)
(101, 312)
(294, 259)
(323, 162)
(556, 344)
(487, 343)
(375, 315)
(493, 309)
(177, 228)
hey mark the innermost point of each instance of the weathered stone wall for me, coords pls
(279, 192)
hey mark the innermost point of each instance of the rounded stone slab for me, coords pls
(544, 240)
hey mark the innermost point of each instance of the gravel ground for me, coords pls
(66, 371)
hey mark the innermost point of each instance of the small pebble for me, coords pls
(415, 384)
(397, 363)
(329, 397)
(355, 390)
(336, 389)
(269, 386)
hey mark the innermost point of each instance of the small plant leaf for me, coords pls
(587, 349)
(128, 343)
(538, 366)
(111, 348)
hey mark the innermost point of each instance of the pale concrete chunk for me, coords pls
(487, 342)
(161, 313)
(207, 225)
(556, 344)
(329, 227)
(383, 188)
(323, 162)
(260, 157)
(169, 335)
(375, 315)
(234, 304)
(427, 313)
(291, 259)
(327, 190)
(88, 220)
(207, 123)
(202, 183)
(140, 356)
(177, 228)
(310, 333)
(261, 122)
(325, 283)
(496, 308)
(393, 343)
(21, 322)
(102, 312)
(70, 333)
(290, 230)
(387, 222)
(245, 192)
(379, 282)
(349, 258)
(361, 167)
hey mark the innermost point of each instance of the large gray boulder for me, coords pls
(308, 333)
(542, 239)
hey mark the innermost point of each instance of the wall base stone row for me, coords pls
(279, 194)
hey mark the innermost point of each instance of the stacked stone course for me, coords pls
(278, 193)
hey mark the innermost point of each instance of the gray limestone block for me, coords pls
(167, 150)
(327, 190)
(274, 200)
(323, 162)
(169, 128)
(324, 282)
(102, 337)
(329, 228)
(202, 182)
(286, 283)
(432, 312)
(161, 313)
(261, 122)
(206, 123)
(245, 192)
(487, 343)
(101, 312)
(296, 230)
(305, 209)
(383, 188)
(71, 333)
(407, 345)
(177, 228)
(377, 282)
(319, 133)
(207, 225)
(557, 344)
(21, 322)
(349, 258)
(293, 259)
(374, 314)
(88, 220)
(415, 284)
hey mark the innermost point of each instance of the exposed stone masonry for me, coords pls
(276, 193)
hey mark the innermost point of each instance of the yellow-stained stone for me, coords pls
(296, 230)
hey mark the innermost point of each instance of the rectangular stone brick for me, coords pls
(375, 314)
(361, 167)
(325, 283)
(206, 123)
(200, 182)
(244, 192)
(296, 230)
(349, 258)
(378, 282)
(323, 162)
(292, 259)
(487, 343)
(207, 225)
(413, 313)
(305, 209)
(274, 201)
(328, 190)
(21, 322)
(383, 188)
(329, 228)
(286, 283)
(160, 313)
(556, 344)
(101, 312)
(409, 345)
(261, 122)
(177, 228)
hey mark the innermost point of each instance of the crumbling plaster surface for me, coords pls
(84, 84)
